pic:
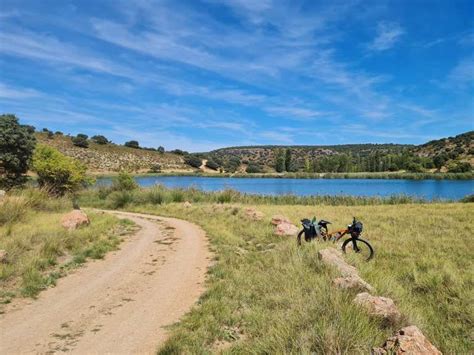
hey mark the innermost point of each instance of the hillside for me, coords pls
(453, 154)
(106, 158)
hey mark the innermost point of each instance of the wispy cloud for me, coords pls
(298, 113)
(8, 92)
(388, 33)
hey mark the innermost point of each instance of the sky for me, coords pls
(203, 74)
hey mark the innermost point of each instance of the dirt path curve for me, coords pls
(118, 305)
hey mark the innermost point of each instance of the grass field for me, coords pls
(39, 249)
(266, 295)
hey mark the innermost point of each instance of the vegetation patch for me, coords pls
(266, 295)
(39, 249)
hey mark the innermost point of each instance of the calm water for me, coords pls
(428, 189)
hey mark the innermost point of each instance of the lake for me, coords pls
(428, 189)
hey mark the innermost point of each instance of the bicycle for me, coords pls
(353, 244)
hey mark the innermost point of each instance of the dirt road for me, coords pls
(120, 304)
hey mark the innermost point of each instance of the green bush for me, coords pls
(211, 164)
(80, 141)
(253, 168)
(100, 139)
(132, 144)
(193, 161)
(459, 167)
(124, 182)
(58, 173)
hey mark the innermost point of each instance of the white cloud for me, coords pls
(388, 33)
(8, 92)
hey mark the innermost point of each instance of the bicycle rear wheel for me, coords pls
(358, 248)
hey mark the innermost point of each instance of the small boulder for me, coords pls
(3, 256)
(381, 307)
(277, 219)
(286, 229)
(2, 194)
(353, 282)
(187, 204)
(408, 340)
(254, 214)
(333, 257)
(74, 219)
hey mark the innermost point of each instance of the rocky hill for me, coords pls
(106, 158)
(454, 154)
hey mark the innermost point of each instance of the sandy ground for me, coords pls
(118, 305)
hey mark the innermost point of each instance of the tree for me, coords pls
(288, 166)
(439, 161)
(193, 161)
(100, 140)
(80, 140)
(160, 149)
(211, 164)
(132, 144)
(279, 160)
(17, 143)
(58, 173)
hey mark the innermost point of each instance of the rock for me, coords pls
(410, 341)
(333, 257)
(2, 194)
(187, 204)
(277, 219)
(353, 282)
(74, 219)
(379, 307)
(254, 214)
(3, 257)
(286, 229)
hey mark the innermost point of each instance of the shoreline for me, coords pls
(328, 176)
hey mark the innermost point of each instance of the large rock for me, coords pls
(286, 229)
(333, 257)
(2, 194)
(408, 341)
(381, 307)
(74, 219)
(187, 204)
(3, 256)
(353, 282)
(254, 214)
(277, 219)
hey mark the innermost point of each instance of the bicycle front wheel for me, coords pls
(358, 248)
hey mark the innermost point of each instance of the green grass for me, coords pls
(266, 295)
(106, 197)
(39, 249)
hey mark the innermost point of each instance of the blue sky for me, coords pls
(199, 75)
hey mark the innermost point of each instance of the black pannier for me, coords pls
(310, 229)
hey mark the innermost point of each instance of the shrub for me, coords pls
(253, 168)
(155, 168)
(124, 182)
(17, 143)
(155, 196)
(193, 161)
(211, 164)
(459, 167)
(80, 141)
(132, 144)
(160, 149)
(58, 173)
(119, 199)
(100, 139)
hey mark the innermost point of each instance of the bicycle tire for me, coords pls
(370, 249)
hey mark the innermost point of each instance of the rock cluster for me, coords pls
(408, 340)
(74, 220)
(254, 214)
(283, 226)
(350, 277)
